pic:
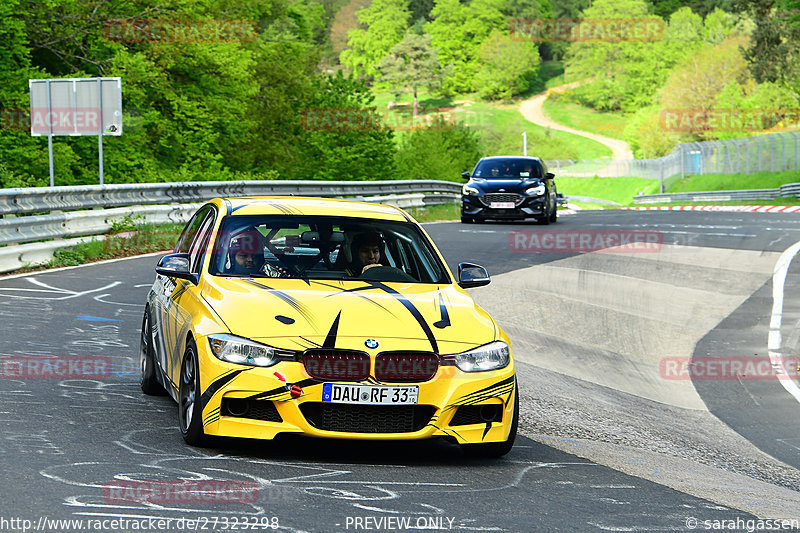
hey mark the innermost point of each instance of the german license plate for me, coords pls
(501, 205)
(369, 394)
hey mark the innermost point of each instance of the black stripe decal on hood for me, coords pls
(330, 340)
(445, 321)
(411, 309)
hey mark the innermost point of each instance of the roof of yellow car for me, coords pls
(298, 205)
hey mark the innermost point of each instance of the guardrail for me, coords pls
(787, 190)
(58, 215)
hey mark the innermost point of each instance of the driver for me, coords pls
(246, 253)
(366, 252)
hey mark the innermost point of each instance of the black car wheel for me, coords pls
(498, 449)
(554, 213)
(190, 415)
(147, 362)
(467, 220)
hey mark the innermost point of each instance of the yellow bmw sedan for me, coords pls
(329, 318)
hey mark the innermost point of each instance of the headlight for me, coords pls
(488, 357)
(242, 351)
(535, 191)
(466, 190)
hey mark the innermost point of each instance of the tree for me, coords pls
(345, 136)
(412, 63)
(440, 152)
(508, 66)
(696, 83)
(457, 31)
(775, 40)
(386, 22)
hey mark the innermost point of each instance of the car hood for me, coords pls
(299, 314)
(510, 185)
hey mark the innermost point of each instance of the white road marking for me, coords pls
(774, 341)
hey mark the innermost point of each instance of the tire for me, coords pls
(147, 363)
(497, 449)
(467, 220)
(554, 214)
(190, 415)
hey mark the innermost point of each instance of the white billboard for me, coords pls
(76, 106)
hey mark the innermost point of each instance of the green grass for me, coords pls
(435, 213)
(551, 74)
(620, 190)
(501, 126)
(585, 119)
(733, 182)
(590, 206)
(774, 201)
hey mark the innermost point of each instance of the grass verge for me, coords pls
(733, 182)
(774, 201)
(620, 190)
(436, 213)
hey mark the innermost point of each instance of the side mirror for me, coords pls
(465, 175)
(549, 176)
(176, 266)
(470, 275)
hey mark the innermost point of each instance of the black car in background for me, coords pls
(509, 188)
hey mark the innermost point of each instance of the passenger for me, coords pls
(246, 253)
(366, 253)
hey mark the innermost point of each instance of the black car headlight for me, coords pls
(466, 190)
(490, 356)
(233, 349)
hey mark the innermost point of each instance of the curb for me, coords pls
(731, 208)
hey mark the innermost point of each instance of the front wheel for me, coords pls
(498, 449)
(554, 214)
(147, 361)
(466, 220)
(190, 410)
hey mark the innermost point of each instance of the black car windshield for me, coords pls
(332, 248)
(514, 168)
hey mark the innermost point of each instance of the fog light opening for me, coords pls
(488, 413)
(236, 406)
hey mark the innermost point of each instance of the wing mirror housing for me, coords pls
(472, 275)
(176, 266)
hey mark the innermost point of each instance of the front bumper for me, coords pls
(451, 404)
(527, 207)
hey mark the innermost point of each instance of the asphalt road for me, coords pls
(65, 440)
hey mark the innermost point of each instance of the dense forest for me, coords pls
(225, 89)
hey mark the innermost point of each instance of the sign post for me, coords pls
(75, 107)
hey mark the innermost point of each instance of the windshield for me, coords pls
(516, 168)
(332, 248)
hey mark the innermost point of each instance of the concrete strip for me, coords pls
(622, 326)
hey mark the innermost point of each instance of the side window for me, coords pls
(199, 244)
(189, 232)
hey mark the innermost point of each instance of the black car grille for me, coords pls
(501, 197)
(253, 409)
(367, 418)
(336, 365)
(406, 366)
(477, 414)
